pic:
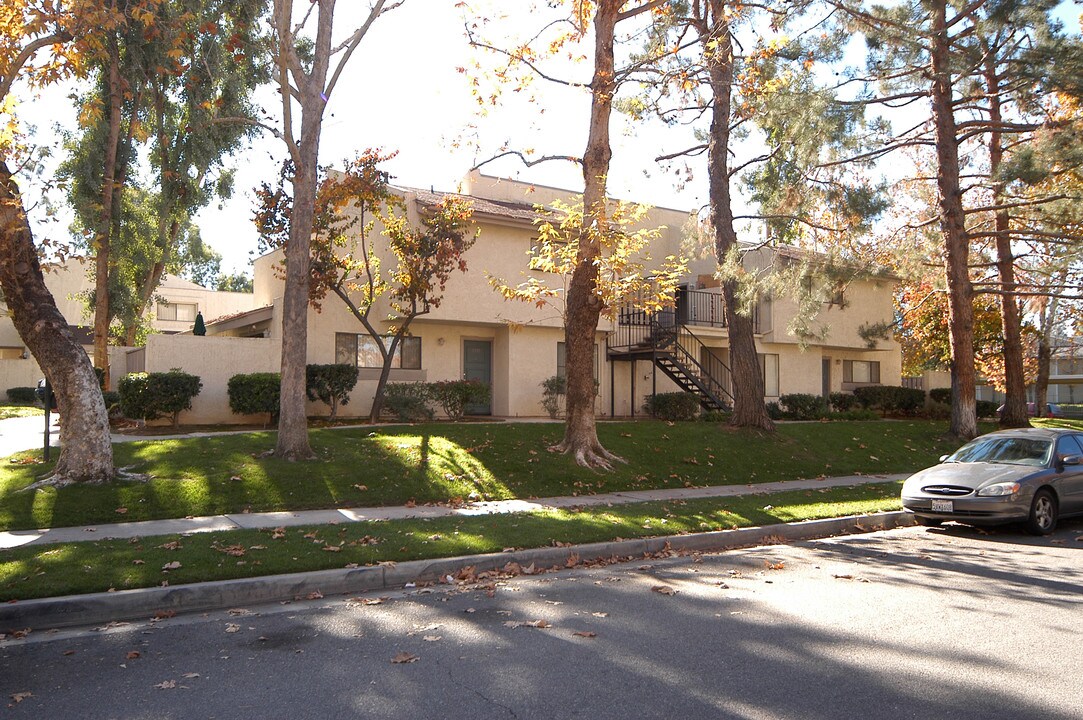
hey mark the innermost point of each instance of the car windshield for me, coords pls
(1006, 450)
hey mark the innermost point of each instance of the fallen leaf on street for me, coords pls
(585, 633)
(20, 696)
(133, 654)
(432, 638)
(190, 676)
(232, 628)
(166, 685)
(600, 614)
(530, 623)
(664, 590)
(403, 657)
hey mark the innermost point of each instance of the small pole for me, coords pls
(48, 406)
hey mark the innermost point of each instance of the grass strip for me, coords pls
(371, 467)
(20, 411)
(76, 568)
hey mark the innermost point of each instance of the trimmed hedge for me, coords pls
(454, 395)
(674, 406)
(891, 399)
(330, 384)
(254, 393)
(987, 408)
(408, 402)
(940, 395)
(23, 395)
(148, 396)
(843, 402)
(803, 406)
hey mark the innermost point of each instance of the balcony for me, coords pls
(691, 307)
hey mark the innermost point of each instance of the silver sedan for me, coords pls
(1030, 475)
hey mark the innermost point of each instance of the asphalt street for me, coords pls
(911, 623)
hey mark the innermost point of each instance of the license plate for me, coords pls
(944, 506)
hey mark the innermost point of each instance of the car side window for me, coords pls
(1069, 445)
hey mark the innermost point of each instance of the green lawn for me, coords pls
(18, 411)
(53, 570)
(443, 462)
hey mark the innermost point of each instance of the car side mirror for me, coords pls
(944, 457)
(1071, 460)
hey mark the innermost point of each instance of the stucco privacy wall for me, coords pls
(215, 360)
(26, 373)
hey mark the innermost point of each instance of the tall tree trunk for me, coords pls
(749, 409)
(86, 453)
(105, 226)
(1015, 403)
(964, 421)
(584, 306)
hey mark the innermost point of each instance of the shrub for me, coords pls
(891, 399)
(147, 396)
(553, 391)
(674, 406)
(774, 411)
(254, 393)
(716, 416)
(22, 395)
(112, 400)
(407, 402)
(843, 402)
(940, 395)
(987, 408)
(330, 384)
(454, 395)
(803, 406)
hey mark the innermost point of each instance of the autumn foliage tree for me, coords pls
(42, 42)
(366, 253)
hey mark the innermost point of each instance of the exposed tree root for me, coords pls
(62, 479)
(588, 455)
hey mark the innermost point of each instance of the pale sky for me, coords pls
(402, 91)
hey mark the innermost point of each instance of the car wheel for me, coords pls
(929, 522)
(1043, 513)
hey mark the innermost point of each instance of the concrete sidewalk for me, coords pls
(20, 538)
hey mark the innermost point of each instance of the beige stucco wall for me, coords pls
(215, 360)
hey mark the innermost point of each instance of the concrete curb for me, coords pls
(82, 610)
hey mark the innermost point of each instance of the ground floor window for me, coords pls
(769, 368)
(861, 371)
(562, 361)
(362, 350)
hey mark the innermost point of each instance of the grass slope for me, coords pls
(365, 467)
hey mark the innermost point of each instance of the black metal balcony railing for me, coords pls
(691, 307)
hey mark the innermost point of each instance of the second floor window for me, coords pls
(182, 312)
(363, 351)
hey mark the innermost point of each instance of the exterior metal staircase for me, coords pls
(676, 351)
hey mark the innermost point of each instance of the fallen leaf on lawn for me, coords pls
(166, 685)
(403, 657)
(235, 477)
(232, 628)
(362, 488)
(121, 510)
(332, 548)
(20, 696)
(171, 565)
(432, 638)
(585, 633)
(138, 562)
(278, 533)
(664, 590)
(171, 545)
(133, 654)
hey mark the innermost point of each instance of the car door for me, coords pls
(1071, 480)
